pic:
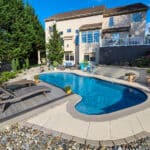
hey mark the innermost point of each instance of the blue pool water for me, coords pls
(98, 96)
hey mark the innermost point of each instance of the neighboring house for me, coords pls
(85, 31)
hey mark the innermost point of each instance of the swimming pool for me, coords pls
(98, 96)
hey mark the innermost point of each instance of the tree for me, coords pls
(21, 33)
(55, 47)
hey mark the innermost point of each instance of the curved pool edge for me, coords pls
(105, 117)
(110, 116)
(135, 85)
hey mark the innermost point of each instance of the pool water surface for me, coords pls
(98, 96)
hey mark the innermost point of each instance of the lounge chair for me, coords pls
(18, 84)
(28, 92)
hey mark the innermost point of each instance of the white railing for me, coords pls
(125, 42)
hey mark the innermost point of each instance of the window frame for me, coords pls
(137, 17)
(111, 21)
(69, 30)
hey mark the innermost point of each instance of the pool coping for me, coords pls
(110, 116)
(96, 143)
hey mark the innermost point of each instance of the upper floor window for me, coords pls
(61, 32)
(111, 22)
(84, 37)
(96, 36)
(90, 37)
(50, 29)
(77, 31)
(68, 30)
(149, 29)
(137, 17)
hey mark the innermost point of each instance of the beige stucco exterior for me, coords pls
(137, 30)
(69, 43)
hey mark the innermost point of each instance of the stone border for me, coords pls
(96, 143)
(110, 116)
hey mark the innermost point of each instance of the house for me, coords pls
(86, 31)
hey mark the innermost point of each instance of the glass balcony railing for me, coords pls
(125, 42)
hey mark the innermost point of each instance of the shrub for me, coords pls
(17, 64)
(148, 71)
(142, 62)
(67, 88)
(13, 65)
(55, 63)
(5, 76)
(36, 77)
(27, 63)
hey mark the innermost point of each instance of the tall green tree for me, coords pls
(55, 47)
(21, 33)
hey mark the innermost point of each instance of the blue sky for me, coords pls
(47, 8)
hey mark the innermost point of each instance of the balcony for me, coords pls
(125, 42)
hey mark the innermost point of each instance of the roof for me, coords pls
(125, 9)
(91, 26)
(97, 11)
(78, 13)
(116, 29)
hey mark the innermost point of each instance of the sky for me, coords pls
(46, 8)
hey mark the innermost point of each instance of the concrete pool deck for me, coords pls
(122, 129)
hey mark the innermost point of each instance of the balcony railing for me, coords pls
(125, 42)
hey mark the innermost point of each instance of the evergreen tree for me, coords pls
(55, 47)
(21, 34)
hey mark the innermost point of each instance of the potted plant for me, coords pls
(148, 77)
(36, 79)
(67, 89)
(131, 76)
(55, 64)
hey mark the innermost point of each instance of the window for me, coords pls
(137, 17)
(86, 57)
(77, 40)
(115, 36)
(61, 32)
(50, 29)
(71, 57)
(77, 31)
(68, 30)
(90, 37)
(92, 58)
(67, 45)
(67, 57)
(149, 29)
(96, 36)
(111, 22)
(84, 37)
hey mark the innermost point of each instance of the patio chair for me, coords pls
(18, 84)
(28, 92)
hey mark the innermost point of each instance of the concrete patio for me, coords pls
(123, 129)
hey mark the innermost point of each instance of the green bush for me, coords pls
(17, 64)
(5, 76)
(13, 65)
(55, 63)
(36, 77)
(142, 62)
(148, 71)
(67, 88)
(27, 63)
